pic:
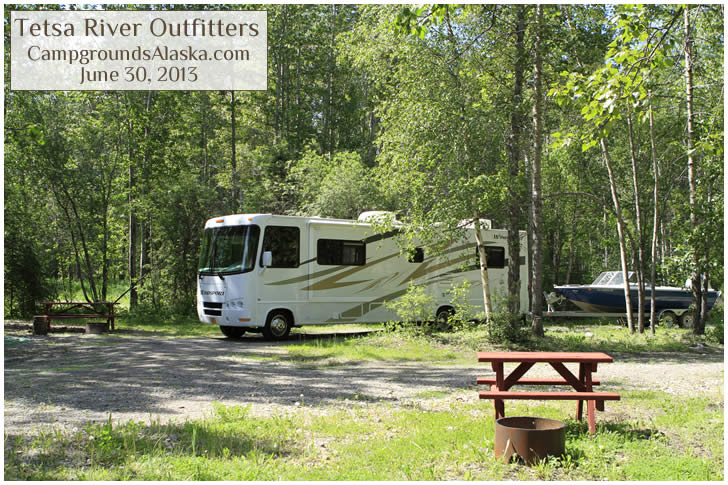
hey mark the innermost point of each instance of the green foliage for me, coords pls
(715, 324)
(464, 313)
(231, 414)
(25, 284)
(504, 328)
(339, 186)
(416, 310)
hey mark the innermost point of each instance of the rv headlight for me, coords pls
(236, 303)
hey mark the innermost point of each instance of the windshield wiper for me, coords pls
(219, 274)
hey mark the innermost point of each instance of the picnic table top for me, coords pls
(587, 357)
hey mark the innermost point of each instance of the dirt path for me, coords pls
(71, 379)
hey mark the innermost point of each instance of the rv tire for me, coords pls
(442, 317)
(232, 332)
(278, 325)
(686, 319)
(669, 319)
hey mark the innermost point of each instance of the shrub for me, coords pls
(463, 316)
(715, 320)
(505, 327)
(415, 309)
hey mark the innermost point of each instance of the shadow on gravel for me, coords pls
(146, 375)
(166, 376)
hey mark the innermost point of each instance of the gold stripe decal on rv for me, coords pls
(334, 281)
(425, 269)
(363, 308)
(305, 277)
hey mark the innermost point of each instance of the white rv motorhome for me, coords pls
(268, 273)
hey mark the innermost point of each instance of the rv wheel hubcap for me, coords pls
(278, 325)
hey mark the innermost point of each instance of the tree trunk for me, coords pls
(639, 267)
(572, 251)
(529, 234)
(606, 244)
(536, 201)
(655, 222)
(620, 232)
(132, 258)
(514, 147)
(556, 249)
(233, 161)
(483, 255)
(328, 130)
(695, 277)
(203, 141)
(105, 243)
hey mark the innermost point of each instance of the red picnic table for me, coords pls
(582, 385)
(89, 310)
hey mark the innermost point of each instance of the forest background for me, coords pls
(597, 128)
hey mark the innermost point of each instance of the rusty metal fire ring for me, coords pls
(530, 438)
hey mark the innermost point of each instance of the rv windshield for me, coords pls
(229, 249)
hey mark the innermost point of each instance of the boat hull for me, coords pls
(611, 299)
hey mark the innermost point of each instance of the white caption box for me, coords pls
(138, 50)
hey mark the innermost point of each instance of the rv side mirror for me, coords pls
(267, 259)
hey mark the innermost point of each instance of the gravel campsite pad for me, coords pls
(72, 379)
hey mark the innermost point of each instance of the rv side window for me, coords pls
(283, 242)
(416, 256)
(496, 256)
(340, 252)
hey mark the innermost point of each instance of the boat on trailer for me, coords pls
(606, 295)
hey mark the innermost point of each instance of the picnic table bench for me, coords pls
(582, 386)
(65, 309)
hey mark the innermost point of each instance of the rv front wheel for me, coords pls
(232, 332)
(278, 326)
(669, 319)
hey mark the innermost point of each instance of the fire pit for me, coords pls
(97, 327)
(532, 439)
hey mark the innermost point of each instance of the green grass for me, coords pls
(597, 335)
(336, 327)
(460, 347)
(149, 324)
(380, 347)
(582, 337)
(662, 437)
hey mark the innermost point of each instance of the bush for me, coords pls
(415, 310)
(25, 284)
(715, 320)
(505, 327)
(463, 316)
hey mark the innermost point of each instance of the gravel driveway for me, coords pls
(72, 379)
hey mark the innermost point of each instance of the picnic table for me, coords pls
(582, 385)
(55, 310)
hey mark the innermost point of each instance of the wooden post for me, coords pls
(590, 411)
(40, 325)
(498, 404)
(580, 404)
